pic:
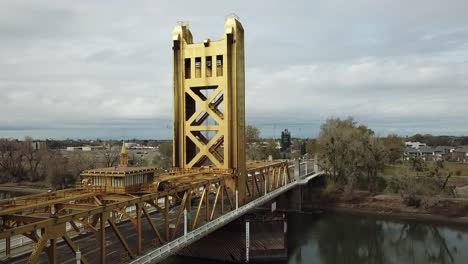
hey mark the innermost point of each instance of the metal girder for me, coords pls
(74, 248)
(88, 209)
(153, 226)
(102, 236)
(120, 237)
(218, 190)
(23, 218)
(181, 210)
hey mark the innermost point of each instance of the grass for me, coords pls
(461, 167)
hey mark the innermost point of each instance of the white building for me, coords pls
(415, 145)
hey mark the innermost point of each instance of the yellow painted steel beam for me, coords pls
(74, 248)
(206, 75)
(120, 237)
(153, 226)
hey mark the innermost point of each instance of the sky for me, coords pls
(103, 69)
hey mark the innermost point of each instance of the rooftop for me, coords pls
(118, 171)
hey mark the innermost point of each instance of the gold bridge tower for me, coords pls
(209, 104)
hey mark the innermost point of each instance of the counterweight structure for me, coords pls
(209, 104)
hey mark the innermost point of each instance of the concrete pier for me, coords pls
(266, 240)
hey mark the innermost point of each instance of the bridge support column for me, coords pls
(53, 251)
(166, 216)
(247, 243)
(291, 200)
(8, 246)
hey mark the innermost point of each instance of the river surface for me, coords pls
(357, 239)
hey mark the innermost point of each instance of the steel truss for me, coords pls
(63, 216)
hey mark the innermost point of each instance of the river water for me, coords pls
(357, 239)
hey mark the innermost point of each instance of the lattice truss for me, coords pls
(205, 126)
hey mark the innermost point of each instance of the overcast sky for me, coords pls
(87, 69)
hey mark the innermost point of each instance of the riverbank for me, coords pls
(440, 209)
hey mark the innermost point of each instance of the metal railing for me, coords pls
(190, 237)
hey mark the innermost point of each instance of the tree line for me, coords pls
(20, 161)
(354, 157)
(348, 151)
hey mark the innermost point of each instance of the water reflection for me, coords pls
(344, 238)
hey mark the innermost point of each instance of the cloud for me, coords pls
(406, 93)
(88, 68)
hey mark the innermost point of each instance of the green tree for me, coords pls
(348, 151)
(395, 147)
(375, 155)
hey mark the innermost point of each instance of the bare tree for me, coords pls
(111, 154)
(11, 160)
(80, 161)
(33, 158)
(253, 150)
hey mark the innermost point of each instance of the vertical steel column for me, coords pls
(102, 233)
(189, 208)
(53, 251)
(166, 216)
(285, 231)
(8, 246)
(138, 227)
(222, 201)
(185, 222)
(207, 203)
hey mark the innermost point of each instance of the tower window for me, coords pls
(187, 68)
(219, 65)
(209, 66)
(197, 67)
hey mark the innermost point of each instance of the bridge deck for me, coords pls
(57, 223)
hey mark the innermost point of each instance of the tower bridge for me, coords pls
(132, 214)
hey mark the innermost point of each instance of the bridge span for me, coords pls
(134, 214)
(165, 230)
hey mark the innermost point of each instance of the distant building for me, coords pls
(84, 148)
(443, 151)
(132, 145)
(460, 154)
(285, 140)
(426, 153)
(415, 145)
(430, 153)
(37, 145)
